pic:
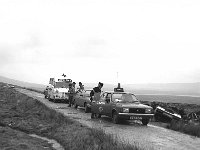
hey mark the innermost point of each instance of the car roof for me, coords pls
(113, 92)
(88, 90)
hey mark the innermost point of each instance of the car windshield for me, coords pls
(124, 98)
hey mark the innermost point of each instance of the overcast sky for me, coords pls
(145, 41)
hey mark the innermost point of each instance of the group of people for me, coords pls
(94, 94)
(72, 91)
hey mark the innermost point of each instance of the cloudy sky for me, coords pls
(145, 41)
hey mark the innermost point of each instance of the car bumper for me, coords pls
(134, 116)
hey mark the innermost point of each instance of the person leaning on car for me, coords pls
(71, 94)
(95, 93)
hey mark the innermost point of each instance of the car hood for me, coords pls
(61, 89)
(133, 105)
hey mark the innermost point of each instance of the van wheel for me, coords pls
(49, 98)
(115, 118)
(145, 121)
(86, 108)
(54, 100)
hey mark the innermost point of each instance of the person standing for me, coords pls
(95, 93)
(74, 84)
(71, 94)
(95, 96)
(81, 87)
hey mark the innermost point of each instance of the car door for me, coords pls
(107, 104)
(81, 98)
(78, 98)
(101, 104)
(87, 96)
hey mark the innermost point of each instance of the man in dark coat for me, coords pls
(95, 93)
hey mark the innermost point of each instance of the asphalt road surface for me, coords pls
(149, 137)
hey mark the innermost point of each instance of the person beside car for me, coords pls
(71, 94)
(95, 93)
(81, 87)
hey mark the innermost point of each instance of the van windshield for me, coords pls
(61, 85)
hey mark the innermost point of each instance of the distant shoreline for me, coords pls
(171, 95)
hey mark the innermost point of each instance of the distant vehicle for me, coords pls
(82, 99)
(57, 90)
(11, 86)
(165, 114)
(121, 106)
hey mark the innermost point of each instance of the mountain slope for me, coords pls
(21, 83)
(156, 88)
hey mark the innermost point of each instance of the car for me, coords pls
(165, 114)
(57, 90)
(121, 106)
(82, 99)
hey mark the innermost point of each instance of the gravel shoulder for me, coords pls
(150, 137)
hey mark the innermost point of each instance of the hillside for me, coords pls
(21, 83)
(156, 88)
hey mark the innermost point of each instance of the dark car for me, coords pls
(82, 99)
(165, 114)
(121, 106)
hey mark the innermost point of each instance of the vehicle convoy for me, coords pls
(121, 106)
(82, 99)
(165, 114)
(57, 90)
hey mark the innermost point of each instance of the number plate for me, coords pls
(135, 118)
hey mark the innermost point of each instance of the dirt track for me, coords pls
(148, 136)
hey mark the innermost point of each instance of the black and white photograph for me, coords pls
(99, 74)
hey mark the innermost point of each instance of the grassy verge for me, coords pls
(189, 128)
(35, 90)
(22, 113)
(181, 126)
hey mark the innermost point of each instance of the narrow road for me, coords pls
(149, 137)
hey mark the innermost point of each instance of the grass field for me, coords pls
(190, 128)
(170, 99)
(21, 115)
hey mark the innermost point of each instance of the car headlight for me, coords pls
(148, 111)
(126, 110)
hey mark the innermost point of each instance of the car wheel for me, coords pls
(98, 116)
(115, 118)
(54, 100)
(145, 121)
(86, 108)
(93, 115)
